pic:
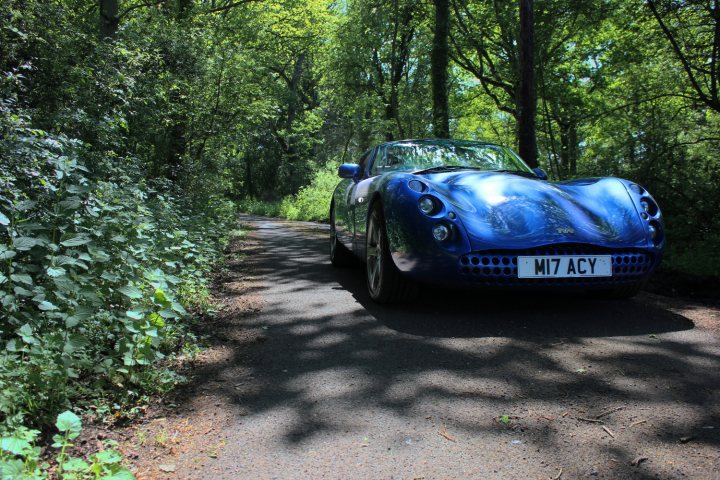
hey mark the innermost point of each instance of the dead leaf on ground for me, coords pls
(638, 460)
(444, 433)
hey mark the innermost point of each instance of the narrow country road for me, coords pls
(322, 383)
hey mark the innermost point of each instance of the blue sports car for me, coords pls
(472, 214)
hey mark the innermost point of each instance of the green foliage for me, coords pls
(20, 458)
(259, 207)
(312, 201)
(96, 276)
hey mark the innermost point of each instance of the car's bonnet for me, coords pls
(501, 210)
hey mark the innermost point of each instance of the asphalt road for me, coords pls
(459, 386)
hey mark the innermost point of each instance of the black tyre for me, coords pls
(340, 256)
(384, 281)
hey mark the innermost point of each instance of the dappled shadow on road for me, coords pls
(325, 359)
(446, 313)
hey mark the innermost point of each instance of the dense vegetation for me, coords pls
(131, 129)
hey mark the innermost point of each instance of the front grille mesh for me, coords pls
(499, 267)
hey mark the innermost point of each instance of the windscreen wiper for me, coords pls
(522, 173)
(447, 168)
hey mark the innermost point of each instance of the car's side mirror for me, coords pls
(349, 170)
(542, 174)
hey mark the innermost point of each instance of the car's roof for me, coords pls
(436, 141)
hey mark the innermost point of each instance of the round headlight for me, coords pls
(440, 232)
(649, 206)
(653, 231)
(656, 232)
(427, 205)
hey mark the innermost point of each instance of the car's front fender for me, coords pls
(413, 248)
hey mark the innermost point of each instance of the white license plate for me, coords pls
(565, 266)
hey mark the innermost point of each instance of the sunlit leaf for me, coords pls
(47, 306)
(160, 298)
(76, 465)
(121, 474)
(135, 314)
(56, 271)
(21, 278)
(25, 243)
(76, 241)
(16, 446)
(68, 422)
(7, 254)
(130, 292)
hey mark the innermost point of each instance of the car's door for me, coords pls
(344, 205)
(360, 201)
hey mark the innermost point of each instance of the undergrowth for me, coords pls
(101, 278)
(20, 457)
(311, 203)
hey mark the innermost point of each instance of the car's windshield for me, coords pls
(411, 156)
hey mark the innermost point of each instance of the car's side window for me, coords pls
(379, 162)
(363, 162)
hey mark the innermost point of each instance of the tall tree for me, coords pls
(380, 63)
(439, 69)
(527, 99)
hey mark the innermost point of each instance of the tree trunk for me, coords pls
(439, 69)
(249, 185)
(527, 99)
(569, 148)
(108, 18)
(392, 115)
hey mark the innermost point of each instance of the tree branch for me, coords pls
(712, 103)
(140, 5)
(229, 6)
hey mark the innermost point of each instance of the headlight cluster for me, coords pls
(434, 207)
(650, 212)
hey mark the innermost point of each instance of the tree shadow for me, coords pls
(440, 312)
(332, 361)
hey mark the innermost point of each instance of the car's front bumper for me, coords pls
(631, 267)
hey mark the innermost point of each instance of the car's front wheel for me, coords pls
(384, 281)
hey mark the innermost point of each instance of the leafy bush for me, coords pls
(20, 459)
(312, 201)
(96, 275)
(259, 207)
